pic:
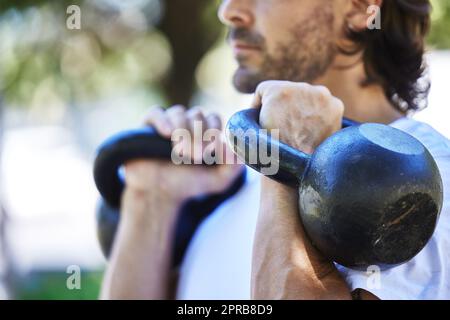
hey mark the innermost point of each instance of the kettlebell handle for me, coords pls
(244, 136)
(142, 143)
(145, 143)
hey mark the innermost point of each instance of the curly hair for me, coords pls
(394, 54)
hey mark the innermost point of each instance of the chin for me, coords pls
(246, 81)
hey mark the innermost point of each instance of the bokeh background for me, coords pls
(63, 91)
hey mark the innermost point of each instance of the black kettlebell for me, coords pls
(145, 143)
(369, 195)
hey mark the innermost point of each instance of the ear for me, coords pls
(363, 14)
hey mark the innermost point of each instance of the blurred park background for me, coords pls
(63, 91)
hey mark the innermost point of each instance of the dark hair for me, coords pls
(394, 55)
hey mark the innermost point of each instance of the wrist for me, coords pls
(278, 192)
(154, 207)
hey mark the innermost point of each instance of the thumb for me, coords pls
(260, 92)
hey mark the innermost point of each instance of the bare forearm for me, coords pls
(285, 264)
(140, 262)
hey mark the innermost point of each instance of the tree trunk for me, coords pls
(191, 28)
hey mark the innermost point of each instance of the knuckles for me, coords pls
(285, 90)
(283, 98)
(286, 104)
(156, 115)
(194, 113)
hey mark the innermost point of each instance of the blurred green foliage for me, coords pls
(133, 45)
(23, 4)
(51, 285)
(440, 32)
(44, 63)
(122, 46)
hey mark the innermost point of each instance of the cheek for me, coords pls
(277, 21)
(273, 20)
(276, 40)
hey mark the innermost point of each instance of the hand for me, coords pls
(141, 259)
(285, 264)
(164, 183)
(305, 114)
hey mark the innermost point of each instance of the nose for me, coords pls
(236, 13)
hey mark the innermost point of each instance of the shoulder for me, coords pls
(435, 142)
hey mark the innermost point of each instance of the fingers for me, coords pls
(196, 119)
(193, 122)
(282, 89)
(259, 93)
(157, 118)
(177, 117)
(213, 121)
(166, 121)
(265, 88)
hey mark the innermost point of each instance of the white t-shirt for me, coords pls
(217, 264)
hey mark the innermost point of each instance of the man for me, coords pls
(253, 245)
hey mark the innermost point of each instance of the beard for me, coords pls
(305, 57)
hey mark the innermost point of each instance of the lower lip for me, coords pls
(242, 50)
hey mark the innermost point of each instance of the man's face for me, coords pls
(280, 39)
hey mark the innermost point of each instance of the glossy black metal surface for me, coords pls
(244, 137)
(364, 204)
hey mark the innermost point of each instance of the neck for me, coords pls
(362, 103)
